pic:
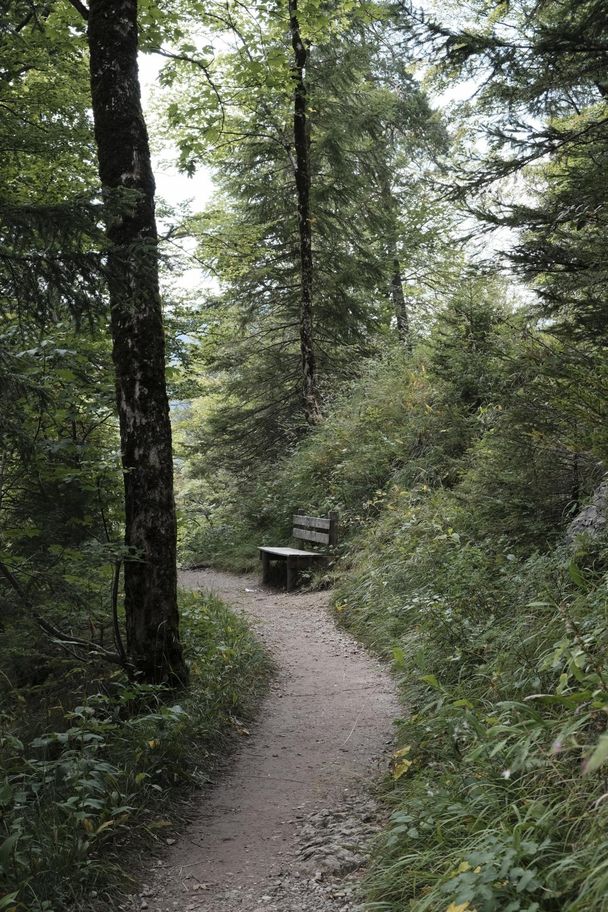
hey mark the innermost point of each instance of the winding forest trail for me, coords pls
(286, 827)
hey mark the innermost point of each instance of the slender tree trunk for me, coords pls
(397, 295)
(302, 163)
(400, 306)
(138, 343)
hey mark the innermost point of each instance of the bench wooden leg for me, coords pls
(290, 573)
(265, 566)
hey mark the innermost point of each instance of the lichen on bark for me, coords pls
(125, 169)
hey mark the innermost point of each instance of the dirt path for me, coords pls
(285, 829)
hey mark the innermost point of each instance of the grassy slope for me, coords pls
(91, 764)
(498, 638)
(380, 424)
(501, 660)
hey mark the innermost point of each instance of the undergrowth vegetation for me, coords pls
(357, 340)
(502, 661)
(92, 764)
(391, 419)
(456, 472)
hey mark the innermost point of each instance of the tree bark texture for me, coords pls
(400, 306)
(302, 174)
(125, 170)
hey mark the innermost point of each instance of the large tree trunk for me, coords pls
(302, 166)
(400, 306)
(126, 175)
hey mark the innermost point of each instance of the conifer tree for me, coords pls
(367, 123)
(543, 98)
(301, 145)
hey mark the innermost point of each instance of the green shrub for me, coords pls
(73, 796)
(389, 421)
(502, 661)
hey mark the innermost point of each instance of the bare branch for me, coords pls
(81, 8)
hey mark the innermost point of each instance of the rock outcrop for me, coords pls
(593, 519)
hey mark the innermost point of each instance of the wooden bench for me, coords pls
(320, 529)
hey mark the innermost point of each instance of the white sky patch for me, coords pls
(173, 186)
(187, 195)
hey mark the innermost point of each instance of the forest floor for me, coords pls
(288, 824)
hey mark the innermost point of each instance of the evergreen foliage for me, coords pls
(58, 486)
(542, 98)
(369, 123)
(462, 420)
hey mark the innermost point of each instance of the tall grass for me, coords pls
(382, 423)
(502, 663)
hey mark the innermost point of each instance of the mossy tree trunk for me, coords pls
(312, 409)
(152, 620)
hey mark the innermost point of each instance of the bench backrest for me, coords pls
(320, 529)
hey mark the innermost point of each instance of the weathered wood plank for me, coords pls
(281, 553)
(311, 522)
(306, 528)
(322, 538)
(292, 566)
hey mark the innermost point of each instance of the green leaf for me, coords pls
(6, 793)
(8, 847)
(599, 755)
(571, 699)
(576, 576)
(398, 656)
(432, 680)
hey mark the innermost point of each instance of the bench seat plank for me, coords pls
(322, 530)
(290, 552)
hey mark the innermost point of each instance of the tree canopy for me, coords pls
(394, 307)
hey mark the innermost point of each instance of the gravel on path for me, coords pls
(288, 826)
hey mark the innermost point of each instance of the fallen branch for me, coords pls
(65, 640)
